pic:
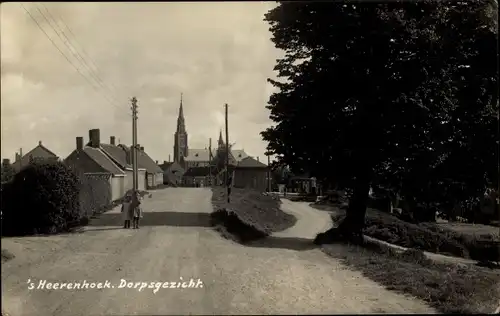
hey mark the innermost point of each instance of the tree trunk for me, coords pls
(354, 221)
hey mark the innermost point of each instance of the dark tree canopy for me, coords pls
(401, 95)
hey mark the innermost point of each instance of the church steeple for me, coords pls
(181, 137)
(181, 125)
(221, 140)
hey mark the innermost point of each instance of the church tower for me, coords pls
(181, 137)
(221, 141)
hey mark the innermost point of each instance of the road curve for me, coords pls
(280, 275)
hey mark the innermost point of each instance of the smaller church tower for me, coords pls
(220, 142)
(181, 137)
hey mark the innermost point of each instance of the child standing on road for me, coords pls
(137, 210)
(127, 210)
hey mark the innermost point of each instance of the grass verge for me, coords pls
(249, 216)
(449, 288)
(6, 255)
(425, 236)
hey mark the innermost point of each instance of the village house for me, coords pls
(39, 153)
(172, 173)
(100, 173)
(154, 174)
(251, 173)
(121, 155)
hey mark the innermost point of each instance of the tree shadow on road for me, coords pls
(176, 219)
(298, 244)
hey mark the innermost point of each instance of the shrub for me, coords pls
(42, 198)
(239, 228)
(6, 255)
(250, 215)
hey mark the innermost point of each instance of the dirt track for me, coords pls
(281, 275)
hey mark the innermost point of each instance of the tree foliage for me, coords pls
(42, 198)
(401, 95)
(7, 172)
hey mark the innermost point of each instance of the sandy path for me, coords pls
(282, 275)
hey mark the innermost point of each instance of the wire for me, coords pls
(62, 53)
(75, 51)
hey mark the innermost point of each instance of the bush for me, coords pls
(6, 255)
(251, 215)
(428, 237)
(42, 198)
(239, 228)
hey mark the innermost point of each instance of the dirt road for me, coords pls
(282, 275)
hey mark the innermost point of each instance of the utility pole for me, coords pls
(227, 156)
(210, 161)
(134, 143)
(268, 172)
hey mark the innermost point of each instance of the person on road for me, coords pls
(127, 210)
(136, 209)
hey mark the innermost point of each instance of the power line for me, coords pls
(62, 53)
(70, 49)
(84, 52)
(74, 50)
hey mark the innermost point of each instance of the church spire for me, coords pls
(221, 140)
(181, 127)
(181, 111)
(181, 137)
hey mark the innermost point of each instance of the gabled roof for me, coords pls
(167, 165)
(98, 156)
(118, 154)
(40, 152)
(146, 162)
(199, 154)
(249, 162)
(239, 154)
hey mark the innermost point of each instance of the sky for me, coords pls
(212, 52)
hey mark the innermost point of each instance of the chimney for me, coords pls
(79, 143)
(141, 148)
(39, 143)
(95, 138)
(258, 158)
(112, 140)
(156, 161)
(6, 162)
(18, 157)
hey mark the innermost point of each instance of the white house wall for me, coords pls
(129, 180)
(117, 185)
(141, 177)
(158, 178)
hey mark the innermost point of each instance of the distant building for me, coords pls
(101, 173)
(172, 173)
(189, 158)
(39, 153)
(251, 173)
(154, 174)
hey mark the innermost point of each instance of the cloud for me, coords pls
(213, 52)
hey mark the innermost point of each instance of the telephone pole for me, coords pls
(227, 155)
(134, 143)
(210, 161)
(268, 172)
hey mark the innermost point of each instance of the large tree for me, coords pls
(395, 94)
